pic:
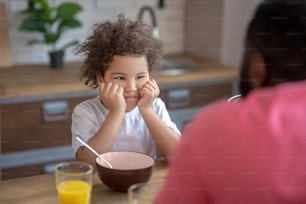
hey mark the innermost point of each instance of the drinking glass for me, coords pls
(143, 193)
(73, 182)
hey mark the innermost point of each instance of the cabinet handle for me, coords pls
(55, 111)
(178, 98)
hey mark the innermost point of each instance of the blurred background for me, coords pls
(211, 28)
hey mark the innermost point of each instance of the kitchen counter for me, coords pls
(41, 189)
(25, 81)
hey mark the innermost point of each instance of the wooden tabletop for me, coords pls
(23, 81)
(41, 189)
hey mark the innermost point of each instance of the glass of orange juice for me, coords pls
(73, 182)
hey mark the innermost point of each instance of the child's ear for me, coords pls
(99, 78)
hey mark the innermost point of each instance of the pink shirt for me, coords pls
(253, 151)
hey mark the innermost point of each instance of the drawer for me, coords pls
(37, 124)
(31, 170)
(19, 172)
(195, 96)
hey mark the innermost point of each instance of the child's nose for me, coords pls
(131, 85)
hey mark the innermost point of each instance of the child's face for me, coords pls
(131, 73)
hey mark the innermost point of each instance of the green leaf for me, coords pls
(45, 15)
(68, 10)
(69, 23)
(51, 38)
(33, 24)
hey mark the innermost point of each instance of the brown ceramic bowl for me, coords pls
(128, 168)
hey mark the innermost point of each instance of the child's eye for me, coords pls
(140, 77)
(119, 78)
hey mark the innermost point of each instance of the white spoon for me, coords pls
(94, 151)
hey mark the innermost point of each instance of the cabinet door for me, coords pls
(195, 96)
(37, 124)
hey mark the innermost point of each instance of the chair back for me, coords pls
(234, 98)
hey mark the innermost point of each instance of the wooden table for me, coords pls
(41, 189)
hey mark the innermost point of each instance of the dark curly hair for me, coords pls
(122, 37)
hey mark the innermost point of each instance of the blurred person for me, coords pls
(127, 115)
(254, 150)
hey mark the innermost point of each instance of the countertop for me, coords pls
(41, 189)
(32, 80)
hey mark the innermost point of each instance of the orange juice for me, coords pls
(74, 192)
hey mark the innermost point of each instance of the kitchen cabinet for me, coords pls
(184, 100)
(29, 170)
(195, 95)
(36, 124)
(35, 133)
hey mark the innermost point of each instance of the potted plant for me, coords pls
(51, 23)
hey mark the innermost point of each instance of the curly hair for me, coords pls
(122, 37)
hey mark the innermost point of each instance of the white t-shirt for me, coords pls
(133, 135)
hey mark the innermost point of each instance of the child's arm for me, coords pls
(102, 141)
(165, 138)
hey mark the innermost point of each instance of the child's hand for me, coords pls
(112, 96)
(148, 93)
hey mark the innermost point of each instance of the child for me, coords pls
(127, 115)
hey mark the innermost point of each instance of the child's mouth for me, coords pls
(128, 98)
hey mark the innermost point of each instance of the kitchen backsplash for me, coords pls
(170, 20)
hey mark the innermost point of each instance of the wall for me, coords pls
(204, 27)
(216, 28)
(170, 21)
(237, 14)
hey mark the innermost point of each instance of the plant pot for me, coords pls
(56, 59)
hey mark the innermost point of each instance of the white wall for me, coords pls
(169, 19)
(216, 28)
(237, 14)
(204, 20)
